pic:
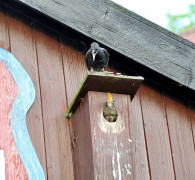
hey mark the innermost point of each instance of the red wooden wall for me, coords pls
(162, 124)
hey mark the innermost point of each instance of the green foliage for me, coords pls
(182, 22)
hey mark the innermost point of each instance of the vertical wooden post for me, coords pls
(102, 149)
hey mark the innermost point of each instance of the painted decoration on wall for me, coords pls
(2, 165)
(17, 94)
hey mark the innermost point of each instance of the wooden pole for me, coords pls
(102, 149)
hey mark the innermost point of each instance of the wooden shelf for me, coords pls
(104, 82)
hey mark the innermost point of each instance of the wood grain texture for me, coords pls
(4, 38)
(58, 151)
(23, 47)
(13, 164)
(102, 149)
(139, 151)
(104, 82)
(181, 137)
(82, 143)
(74, 69)
(192, 117)
(14, 167)
(111, 142)
(127, 33)
(156, 132)
(57, 137)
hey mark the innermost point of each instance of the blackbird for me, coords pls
(110, 112)
(96, 58)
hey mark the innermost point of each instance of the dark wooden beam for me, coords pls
(104, 82)
(127, 33)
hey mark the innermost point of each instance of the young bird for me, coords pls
(96, 58)
(110, 112)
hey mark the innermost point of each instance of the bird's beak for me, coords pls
(109, 100)
(94, 54)
(109, 96)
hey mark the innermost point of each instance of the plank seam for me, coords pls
(131, 135)
(149, 168)
(165, 110)
(64, 75)
(34, 40)
(190, 118)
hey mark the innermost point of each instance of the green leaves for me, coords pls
(181, 22)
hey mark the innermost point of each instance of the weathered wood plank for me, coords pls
(156, 132)
(111, 141)
(108, 145)
(192, 117)
(181, 137)
(82, 143)
(57, 136)
(104, 82)
(139, 153)
(126, 33)
(74, 69)
(4, 38)
(23, 47)
(14, 166)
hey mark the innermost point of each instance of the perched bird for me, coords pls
(96, 58)
(110, 112)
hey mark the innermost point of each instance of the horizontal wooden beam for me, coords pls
(104, 82)
(127, 33)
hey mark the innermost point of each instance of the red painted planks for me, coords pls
(57, 136)
(102, 149)
(181, 138)
(139, 153)
(156, 132)
(74, 68)
(23, 48)
(14, 168)
(4, 38)
(82, 148)
(112, 155)
(192, 117)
